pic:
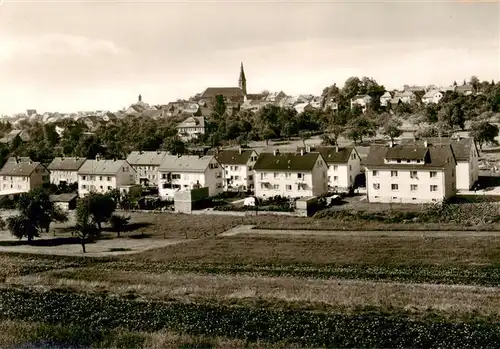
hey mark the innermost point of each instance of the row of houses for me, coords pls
(412, 171)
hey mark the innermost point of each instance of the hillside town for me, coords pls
(422, 144)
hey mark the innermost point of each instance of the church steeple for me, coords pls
(242, 82)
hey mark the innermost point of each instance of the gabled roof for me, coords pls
(435, 156)
(333, 155)
(461, 147)
(464, 88)
(212, 92)
(365, 97)
(101, 167)
(404, 94)
(193, 121)
(19, 159)
(138, 158)
(66, 164)
(185, 163)
(66, 197)
(234, 157)
(286, 162)
(18, 168)
(431, 93)
(386, 94)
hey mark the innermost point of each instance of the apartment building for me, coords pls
(410, 173)
(146, 165)
(101, 176)
(237, 166)
(344, 164)
(65, 170)
(22, 175)
(467, 156)
(189, 172)
(290, 175)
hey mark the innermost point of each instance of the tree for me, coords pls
(174, 145)
(118, 223)
(359, 128)
(392, 129)
(484, 132)
(327, 140)
(220, 106)
(22, 227)
(97, 208)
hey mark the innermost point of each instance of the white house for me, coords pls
(410, 173)
(406, 97)
(385, 99)
(192, 127)
(344, 164)
(101, 176)
(189, 172)
(146, 164)
(362, 100)
(22, 175)
(237, 168)
(432, 96)
(465, 90)
(290, 175)
(65, 170)
(467, 156)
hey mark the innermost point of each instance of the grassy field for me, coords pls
(257, 291)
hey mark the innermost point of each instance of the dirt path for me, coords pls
(250, 230)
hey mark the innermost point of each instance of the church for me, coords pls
(234, 96)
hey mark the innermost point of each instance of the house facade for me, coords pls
(65, 170)
(361, 100)
(101, 176)
(191, 128)
(237, 166)
(146, 165)
(410, 173)
(433, 96)
(290, 175)
(22, 175)
(344, 164)
(467, 157)
(406, 97)
(178, 173)
(385, 99)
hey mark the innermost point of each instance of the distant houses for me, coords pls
(146, 165)
(64, 170)
(20, 175)
(192, 128)
(237, 166)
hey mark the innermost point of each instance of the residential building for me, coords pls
(191, 128)
(22, 135)
(189, 172)
(237, 166)
(303, 107)
(432, 96)
(290, 175)
(101, 176)
(465, 90)
(407, 173)
(406, 97)
(146, 165)
(466, 154)
(361, 100)
(344, 164)
(22, 175)
(65, 202)
(385, 99)
(65, 170)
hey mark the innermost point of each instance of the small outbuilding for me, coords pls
(66, 202)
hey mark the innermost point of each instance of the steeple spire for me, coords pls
(242, 82)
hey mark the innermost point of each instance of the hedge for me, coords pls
(305, 328)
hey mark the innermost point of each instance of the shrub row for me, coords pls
(293, 326)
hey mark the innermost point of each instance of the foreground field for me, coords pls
(272, 291)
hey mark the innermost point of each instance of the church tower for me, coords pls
(242, 82)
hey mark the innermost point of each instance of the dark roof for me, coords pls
(286, 162)
(18, 168)
(461, 147)
(66, 164)
(332, 154)
(234, 157)
(211, 92)
(66, 197)
(436, 156)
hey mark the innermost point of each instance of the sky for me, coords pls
(71, 55)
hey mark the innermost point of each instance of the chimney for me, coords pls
(336, 148)
(426, 144)
(239, 150)
(98, 157)
(276, 152)
(301, 152)
(308, 148)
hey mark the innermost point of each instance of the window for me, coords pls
(433, 174)
(263, 186)
(335, 178)
(413, 187)
(276, 175)
(288, 187)
(176, 176)
(250, 178)
(394, 173)
(394, 187)
(335, 167)
(350, 168)
(5, 178)
(100, 178)
(376, 186)
(453, 173)
(353, 156)
(249, 168)
(276, 187)
(413, 174)
(109, 179)
(92, 178)
(236, 168)
(84, 186)
(300, 175)
(83, 177)
(399, 161)
(434, 187)
(374, 173)
(100, 187)
(109, 187)
(237, 178)
(263, 175)
(288, 175)
(418, 161)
